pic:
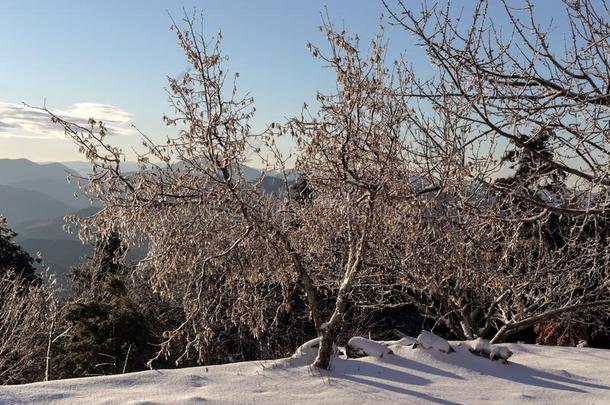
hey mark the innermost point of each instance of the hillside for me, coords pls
(58, 254)
(59, 189)
(35, 197)
(52, 228)
(31, 192)
(85, 167)
(17, 170)
(535, 374)
(20, 205)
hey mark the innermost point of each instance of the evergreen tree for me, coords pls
(536, 176)
(13, 258)
(105, 261)
(300, 190)
(533, 170)
(109, 334)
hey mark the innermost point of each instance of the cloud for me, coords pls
(5, 126)
(17, 120)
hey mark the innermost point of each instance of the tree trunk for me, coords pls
(312, 300)
(327, 337)
(47, 369)
(467, 329)
(330, 329)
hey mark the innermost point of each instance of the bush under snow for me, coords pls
(429, 340)
(366, 347)
(404, 341)
(306, 353)
(484, 347)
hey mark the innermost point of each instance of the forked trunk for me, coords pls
(329, 330)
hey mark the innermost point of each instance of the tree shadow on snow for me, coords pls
(378, 375)
(522, 374)
(393, 388)
(399, 361)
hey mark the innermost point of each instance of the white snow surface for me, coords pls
(481, 345)
(429, 340)
(369, 347)
(484, 346)
(500, 352)
(305, 354)
(308, 350)
(405, 341)
(535, 374)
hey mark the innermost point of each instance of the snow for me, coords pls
(500, 352)
(368, 347)
(429, 340)
(483, 346)
(304, 354)
(308, 349)
(404, 341)
(535, 374)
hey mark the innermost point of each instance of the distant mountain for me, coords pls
(18, 170)
(36, 197)
(59, 189)
(248, 172)
(20, 178)
(291, 175)
(50, 229)
(84, 168)
(19, 205)
(61, 250)
(273, 185)
(59, 255)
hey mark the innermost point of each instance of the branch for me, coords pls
(513, 327)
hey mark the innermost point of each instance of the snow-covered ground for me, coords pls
(534, 374)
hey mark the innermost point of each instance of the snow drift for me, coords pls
(535, 374)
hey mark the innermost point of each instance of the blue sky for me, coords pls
(112, 58)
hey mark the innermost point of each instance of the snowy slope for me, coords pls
(535, 374)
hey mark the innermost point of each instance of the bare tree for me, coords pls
(228, 250)
(518, 81)
(520, 230)
(26, 320)
(215, 240)
(483, 275)
(398, 202)
(353, 155)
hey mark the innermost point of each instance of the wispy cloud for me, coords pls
(17, 120)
